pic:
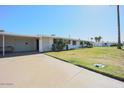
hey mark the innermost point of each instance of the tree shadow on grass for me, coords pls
(122, 49)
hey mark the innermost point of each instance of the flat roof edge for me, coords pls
(39, 36)
(11, 34)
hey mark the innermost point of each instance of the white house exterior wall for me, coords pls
(40, 45)
(71, 46)
(78, 44)
(45, 44)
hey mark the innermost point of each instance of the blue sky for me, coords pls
(77, 21)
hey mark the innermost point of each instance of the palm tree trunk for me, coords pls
(119, 37)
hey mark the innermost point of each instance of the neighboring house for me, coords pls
(24, 43)
(102, 44)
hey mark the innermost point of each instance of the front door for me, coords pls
(37, 41)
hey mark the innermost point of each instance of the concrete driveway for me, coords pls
(39, 70)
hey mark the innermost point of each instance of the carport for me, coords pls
(14, 43)
(3, 43)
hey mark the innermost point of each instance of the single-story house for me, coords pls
(23, 43)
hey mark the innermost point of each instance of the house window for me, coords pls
(26, 43)
(81, 43)
(54, 41)
(69, 42)
(74, 43)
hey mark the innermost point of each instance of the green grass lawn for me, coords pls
(112, 57)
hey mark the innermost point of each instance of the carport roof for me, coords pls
(12, 34)
(38, 36)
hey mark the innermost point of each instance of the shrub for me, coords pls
(82, 44)
(113, 45)
(88, 44)
(58, 45)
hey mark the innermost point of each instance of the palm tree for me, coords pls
(119, 37)
(96, 39)
(99, 38)
(91, 38)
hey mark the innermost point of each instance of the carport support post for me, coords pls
(3, 45)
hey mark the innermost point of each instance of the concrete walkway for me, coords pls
(39, 70)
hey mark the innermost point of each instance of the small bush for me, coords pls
(88, 44)
(58, 45)
(113, 45)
